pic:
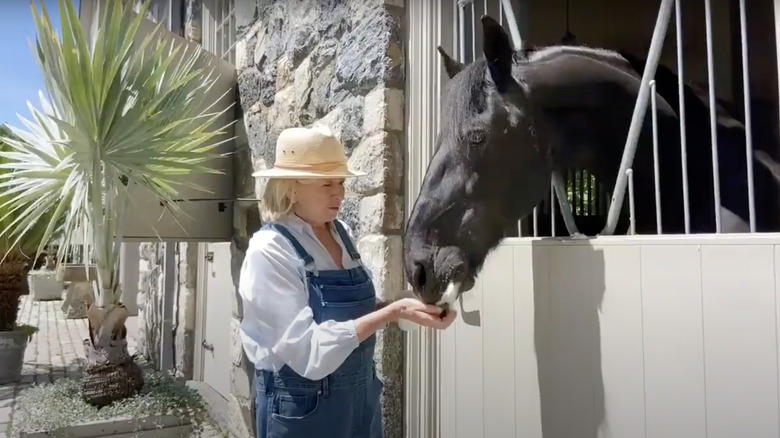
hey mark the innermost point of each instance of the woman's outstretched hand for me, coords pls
(424, 314)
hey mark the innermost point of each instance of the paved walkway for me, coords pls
(55, 351)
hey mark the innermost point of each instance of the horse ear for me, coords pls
(498, 51)
(451, 66)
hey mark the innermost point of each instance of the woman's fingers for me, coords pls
(411, 304)
(435, 321)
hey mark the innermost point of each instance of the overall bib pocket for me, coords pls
(342, 311)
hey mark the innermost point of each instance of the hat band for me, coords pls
(322, 167)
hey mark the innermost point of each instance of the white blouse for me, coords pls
(278, 326)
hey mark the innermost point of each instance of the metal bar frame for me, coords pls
(640, 109)
(683, 129)
(748, 115)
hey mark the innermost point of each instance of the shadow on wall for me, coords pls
(569, 287)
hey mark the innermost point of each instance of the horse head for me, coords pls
(484, 150)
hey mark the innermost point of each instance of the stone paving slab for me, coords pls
(55, 350)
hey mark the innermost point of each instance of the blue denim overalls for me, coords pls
(344, 404)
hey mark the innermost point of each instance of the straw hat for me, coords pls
(309, 153)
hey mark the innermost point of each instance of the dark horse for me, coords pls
(512, 122)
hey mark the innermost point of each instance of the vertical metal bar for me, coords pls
(512, 22)
(501, 13)
(683, 134)
(657, 181)
(631, 209)
(640, 109)
(748, 115)
(776, 8)
(462, 33)
(536, 222)
(552, 210)
(713, 115)
(473, 34)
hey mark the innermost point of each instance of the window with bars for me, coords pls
(219, 28)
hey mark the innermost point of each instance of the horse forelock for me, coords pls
(466, 96)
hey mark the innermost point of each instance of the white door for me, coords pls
(218, 287)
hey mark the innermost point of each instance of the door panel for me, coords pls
(216, 333)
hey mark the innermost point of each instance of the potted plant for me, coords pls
(124, 117)
(18, 260)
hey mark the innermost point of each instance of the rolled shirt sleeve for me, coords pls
(279, 321)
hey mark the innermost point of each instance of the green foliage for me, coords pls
(124, 115)
(26, 245)
(58, 405)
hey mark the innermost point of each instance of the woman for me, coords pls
(310, 308)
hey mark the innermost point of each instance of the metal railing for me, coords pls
(647, 95)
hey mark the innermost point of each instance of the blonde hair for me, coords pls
(277, 201)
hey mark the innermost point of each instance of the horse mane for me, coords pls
(532, 53)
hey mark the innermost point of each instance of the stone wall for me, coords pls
(151, 283)
(339, 62)
(150, 287)
(185, 309)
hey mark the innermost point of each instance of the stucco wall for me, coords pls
(340, 63)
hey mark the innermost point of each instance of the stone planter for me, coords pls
(79, 289)
(164, 426)
(45, 286)
(12, 346)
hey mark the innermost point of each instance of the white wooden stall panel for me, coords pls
(656, 337)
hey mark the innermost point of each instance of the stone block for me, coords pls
(241, 58)
(193, 17)
(382, 255)
(349, 213)
(243, 181)
(389, 356)
(245, 13)
(302, 90)
(262, 143)
(393, 407)
(282, 114)
(345, 120)
(236, 347)
(284, 72)
(383, 110)
(241, 416)
(381, 214)
(363, 61)
(252, 88)
(185, 345)
(148, 251)
(261, 40)
(381, 157)
(241, 378)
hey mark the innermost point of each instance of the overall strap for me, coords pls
(308, 260)
(347, 241)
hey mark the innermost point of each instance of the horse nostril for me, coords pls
(418, 276)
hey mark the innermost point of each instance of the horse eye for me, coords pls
(475, 136)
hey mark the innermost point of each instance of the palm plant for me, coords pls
(124, 118)
(19, 256)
